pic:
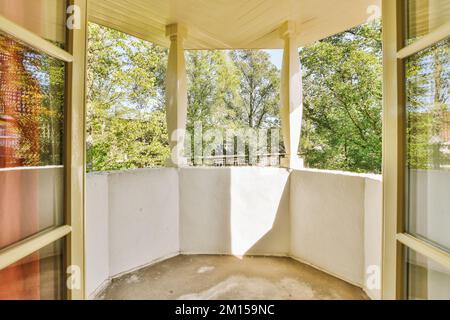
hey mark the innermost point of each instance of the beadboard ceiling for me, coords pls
(231, 24)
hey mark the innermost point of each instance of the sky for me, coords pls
(276, 56)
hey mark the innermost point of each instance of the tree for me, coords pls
(231, 90)
(126, 125)
(211, 77)
(257, 102)
(342, 79)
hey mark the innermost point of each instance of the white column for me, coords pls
(176, 95)
(291, 97)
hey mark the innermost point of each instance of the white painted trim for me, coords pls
(29, 246)
(33, 40)
(426, 249)
(30, 168)
(425, 42)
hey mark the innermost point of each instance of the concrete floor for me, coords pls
(229, 278)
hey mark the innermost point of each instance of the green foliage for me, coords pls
(234, 90)
(231, 90)
(126, 115)
(211, 79)
(237, 89)
(131, 143)
(342, 84)
(257, 100)
(126, 124)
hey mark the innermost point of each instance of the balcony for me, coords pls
(220, 233)
(233, 232)
(226, 231)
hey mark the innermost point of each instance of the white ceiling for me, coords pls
(227, 24)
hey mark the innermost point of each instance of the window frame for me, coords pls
(395, 237)
(74, 150)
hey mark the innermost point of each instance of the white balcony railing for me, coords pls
(260, 160)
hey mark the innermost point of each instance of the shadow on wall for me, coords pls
(260, 213)
(235, 211)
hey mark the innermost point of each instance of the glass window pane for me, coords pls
(32, 87)
(424, 16)
(39, 276)
(428, 139)
(427, 280)
(46, 18)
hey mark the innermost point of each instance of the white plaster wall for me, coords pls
(373, 224)
(327, 222)
(234, 211)
(97, 231)
(143, 217)
(205, 211)
(260, 211)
